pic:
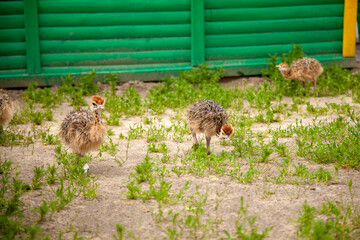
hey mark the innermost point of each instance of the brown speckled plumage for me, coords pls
(210, 118)
(83, 130)
(6, 107)
(303, 69)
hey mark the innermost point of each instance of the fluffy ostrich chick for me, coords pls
(83, 130)
(303, 70)
(6, 108)
(210, 118)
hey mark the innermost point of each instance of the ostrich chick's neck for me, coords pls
(287, 74)
(97, 117)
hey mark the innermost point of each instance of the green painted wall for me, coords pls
(44, 39)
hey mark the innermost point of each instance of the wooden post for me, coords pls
(197, 32)
(32, 37)
(349, 33)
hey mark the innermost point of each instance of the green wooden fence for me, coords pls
(141, 39)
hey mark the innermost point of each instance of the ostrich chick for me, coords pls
(210, 118)
(6, 108)
(83, 130)
(303, 69)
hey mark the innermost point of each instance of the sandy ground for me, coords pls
(96, 219)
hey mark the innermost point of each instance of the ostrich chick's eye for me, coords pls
(94, 104)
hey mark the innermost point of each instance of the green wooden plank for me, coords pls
(258, 39)
(12, 21)
(13, 7)
(115, 45)
(139, 68)
(111, 32)
(197, 32)
(282, 25)
(113, 19)
(12, 62)
(54, 76)
(94, 6)
(12, 73)
(246, 14)
(32, 37)
(12, 35)
(248, 52)
(265, 3)
(9, 49)
(89, 59)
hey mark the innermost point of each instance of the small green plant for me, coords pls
(321, 175)
(37, 180)
(46, 96)
(147, 120)
(47, 138)
(88, 84)
(134, 190)
(119, 232)
(155, 134)
(109, 147)
(112, 79)
(301, 170)
(266, 151)
(144, 170)
(333, 220)
(136, 131)
(158, 147)
(51, 174)
(43, 210)
(181, 130)
(12, 216)
(110, 132)
(244, 225)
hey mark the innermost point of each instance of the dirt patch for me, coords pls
(275, 205)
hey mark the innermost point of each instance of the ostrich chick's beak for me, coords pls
(100, 106)
(227, 137)
(277, 66)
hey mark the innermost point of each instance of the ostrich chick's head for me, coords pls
(226, 132)
(282, 66)
(97, 103)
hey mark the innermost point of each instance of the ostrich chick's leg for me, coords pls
(314, 84)
(195, 141)
(208, 144)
